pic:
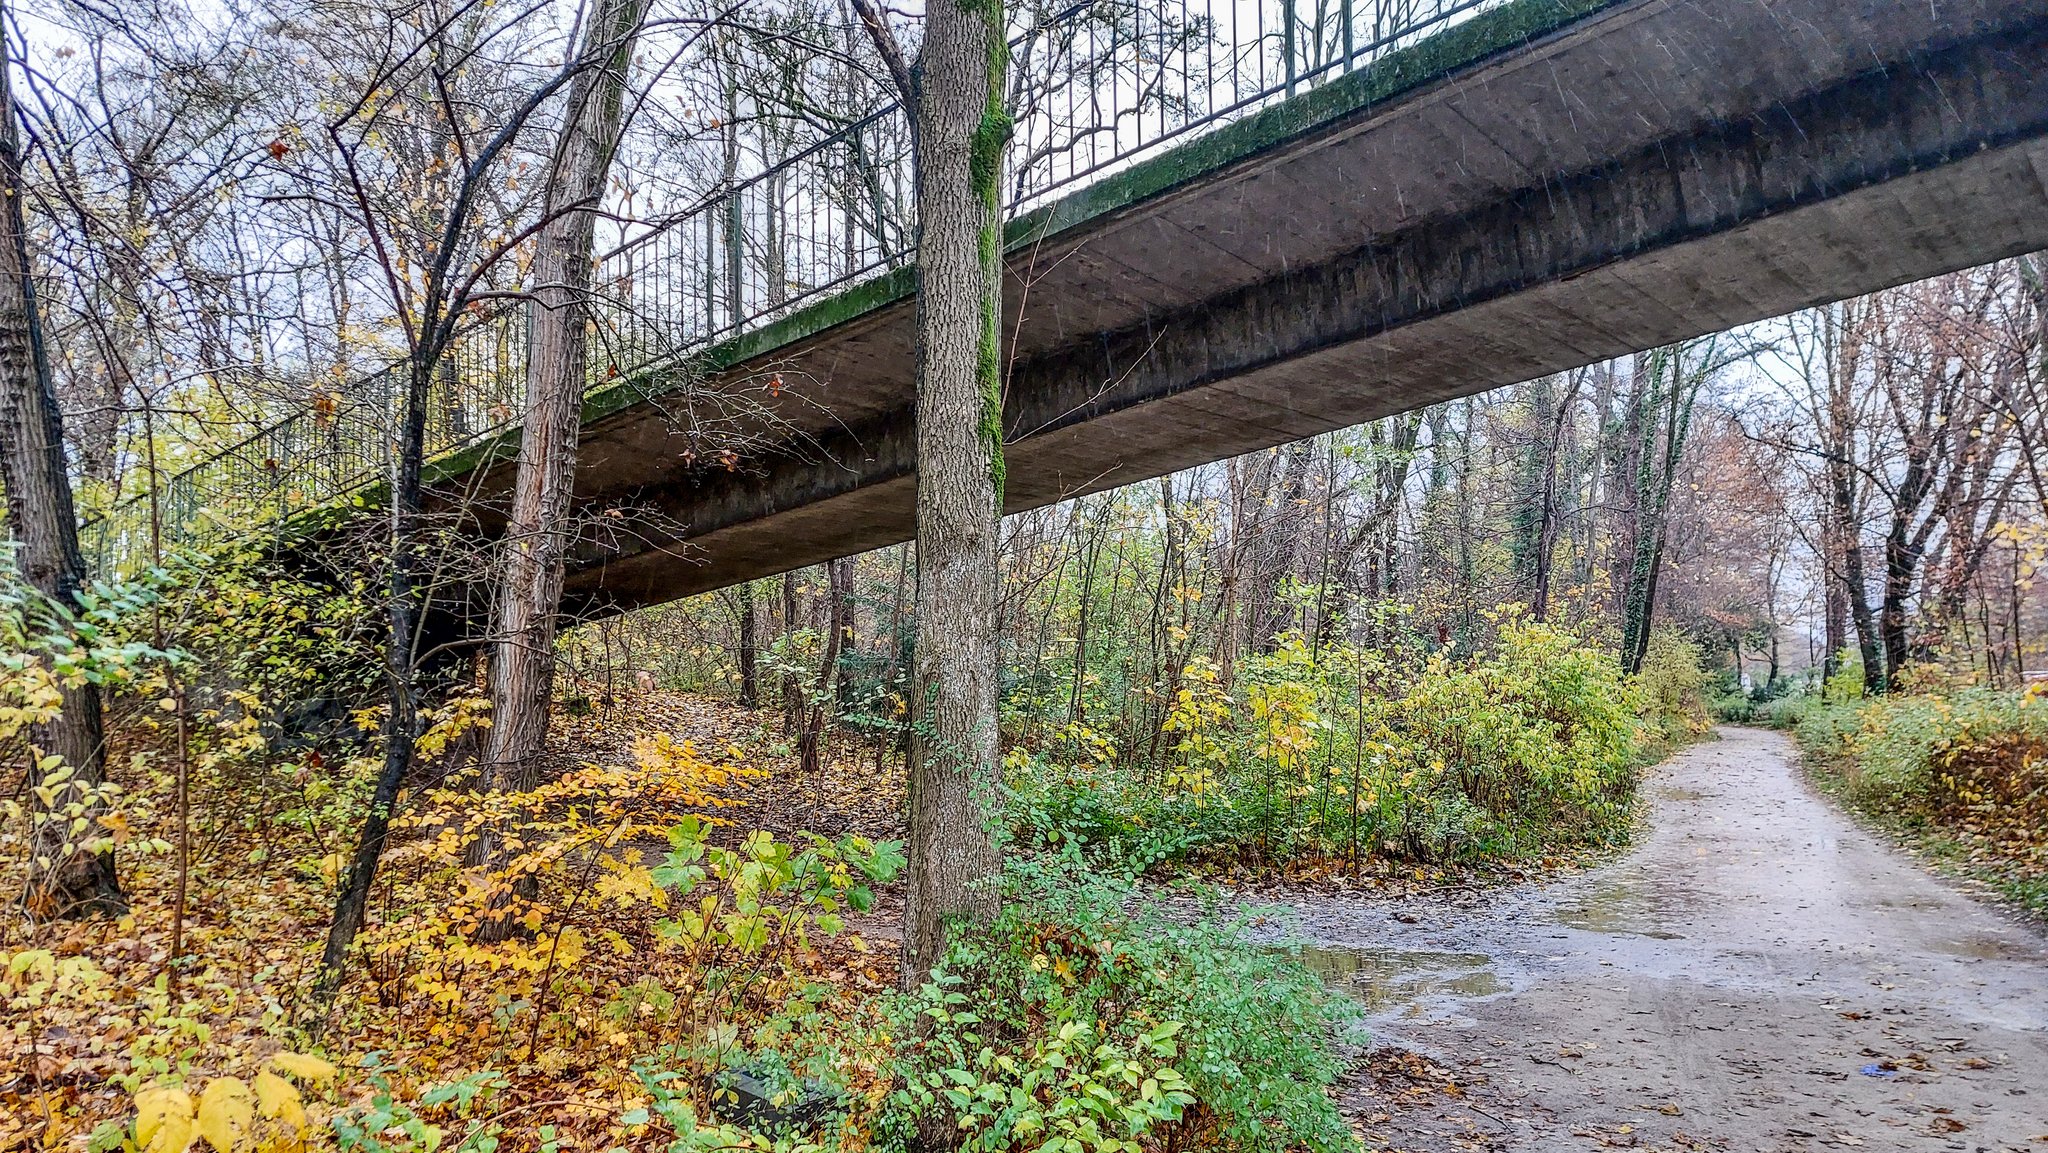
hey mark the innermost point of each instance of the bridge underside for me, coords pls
(1579, 185)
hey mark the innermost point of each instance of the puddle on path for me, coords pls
(1981, 949)
(1623, 904)
(1389, 978)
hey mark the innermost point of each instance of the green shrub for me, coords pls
(1787, 712)
(1960, 773)
(1826, 729)
(1345, 752)
(1847, 682)
(1534, 745)
(1673, 685)
(1086, 1019)
(1906, 748)
(1115, 820)
(1734, 708)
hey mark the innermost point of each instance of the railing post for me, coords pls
(1287, 37)
(1350, 35)
(735, 295)
(710, 275)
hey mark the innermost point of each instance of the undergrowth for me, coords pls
(1087, 1017)
(678, 978)
(1531, 748)
(1958, 773)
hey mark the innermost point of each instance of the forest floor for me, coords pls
(1758, 973)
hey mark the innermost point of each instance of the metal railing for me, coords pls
(1097, 86)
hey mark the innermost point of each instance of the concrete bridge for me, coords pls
(1545, 185)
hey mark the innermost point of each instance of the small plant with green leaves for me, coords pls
(1087, 1020)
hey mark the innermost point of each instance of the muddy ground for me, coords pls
(1756, 974)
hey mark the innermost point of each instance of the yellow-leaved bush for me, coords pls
(229, 1115)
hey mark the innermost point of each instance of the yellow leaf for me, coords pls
(227, 1111)
(300, 1065)
(175, 1136)
(156, 1107)
(278, 1099)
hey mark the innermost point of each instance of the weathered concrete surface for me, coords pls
(1757, 974)
(1648, 171)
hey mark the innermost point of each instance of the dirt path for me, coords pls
(1758, 974)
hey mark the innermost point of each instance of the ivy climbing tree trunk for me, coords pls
(962, 132)
(1667, 386)
(66, 877)
(536, 540)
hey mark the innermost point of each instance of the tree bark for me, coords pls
(825, 695)
(1281, 548)
(962, 132)
(792, 689)
(1077, 706)
(45, 528)
(536, 540)
(1546, 513)
(402, 725)
(750, 648)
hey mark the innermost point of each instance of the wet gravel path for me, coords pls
(1757, 974)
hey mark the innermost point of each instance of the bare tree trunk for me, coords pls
(824, 694)
(1281, 555)
(1674, 386)
(401, 726)
(1077, 708)
(750, 648)
(845, 621)
(1546, 513)
(530, 592)
(962, 133)
(792, 689)
(45, 528)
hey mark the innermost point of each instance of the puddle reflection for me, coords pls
(1389, 978)
(1625, 904)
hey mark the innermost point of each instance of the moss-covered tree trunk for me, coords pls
(962, 132)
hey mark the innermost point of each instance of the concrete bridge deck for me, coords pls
(1552, 183)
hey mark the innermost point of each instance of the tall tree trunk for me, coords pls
(824, 694)
(1281, 556)
(1076, 705)
(750, 647)
(530, 591)
(962, 134)
(45, 527)
(1546, 512)
(1673, 387)
(402, 724)
(1901, 562)
(846, 622)
(1834, 620)
(792, 689)
(1860, 615)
